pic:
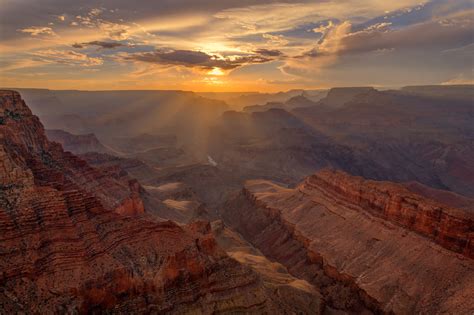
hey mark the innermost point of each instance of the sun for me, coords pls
(216, 71)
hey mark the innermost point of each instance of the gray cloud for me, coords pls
(196, 59)
(268, 52)
(16, 15)
(100, 44)
(434, 35)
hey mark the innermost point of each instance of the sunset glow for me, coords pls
(262, 45)
(216, 71)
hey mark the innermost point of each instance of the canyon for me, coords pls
(257, 157)
(304, 210)
(75, 240)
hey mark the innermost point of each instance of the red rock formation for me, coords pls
(450, 227)
(365, 245)
(64, 250)
(443, 196)
(133, 205)
(49, 163)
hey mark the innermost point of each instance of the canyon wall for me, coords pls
(450, 227)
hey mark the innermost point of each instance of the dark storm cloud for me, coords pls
(196, 59)
(100, 44)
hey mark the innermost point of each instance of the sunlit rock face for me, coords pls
(75, 240)
(367, 245)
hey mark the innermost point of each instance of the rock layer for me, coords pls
(450, 227)
(330, 231)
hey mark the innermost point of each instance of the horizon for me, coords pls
(381, 88)
(233, 46)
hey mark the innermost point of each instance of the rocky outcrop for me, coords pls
(292, 103)
(442, 196)
(450, 227)
(63, 248)
(24, 137)
(134, 204)
(332, 232)
(338, 97)
(77, 144)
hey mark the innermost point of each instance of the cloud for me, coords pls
(324, 28)
(115, 30)
(275, 39)
(38, 30)
(196, 59)
(460, 79)
(438, 33)
(100, 44)
(67, 57)
(21, 64)
(279, 17)
(340, 40)
(434, 34)
(208, 37)
(268, 52)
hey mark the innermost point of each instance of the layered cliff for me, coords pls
(443, 196)
(24, 141)
(65, 249)
(365, 245)
(450, 227)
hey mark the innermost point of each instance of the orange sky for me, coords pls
(226, 46)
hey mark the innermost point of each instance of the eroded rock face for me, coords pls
(450, 227)
(446, 197)
(366, 245)
(45, 163)
(65, 249)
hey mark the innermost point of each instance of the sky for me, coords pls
(234, 45)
